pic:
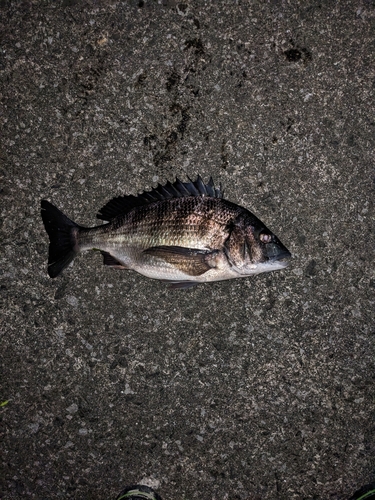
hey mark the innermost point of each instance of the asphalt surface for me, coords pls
(249, 389)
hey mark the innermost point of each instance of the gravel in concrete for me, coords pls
(259, 388)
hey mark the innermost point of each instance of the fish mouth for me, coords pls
(276, 251)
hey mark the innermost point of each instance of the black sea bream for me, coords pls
(183, 233)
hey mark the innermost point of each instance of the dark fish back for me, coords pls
(176, 219)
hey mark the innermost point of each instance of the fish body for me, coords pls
(182, 233)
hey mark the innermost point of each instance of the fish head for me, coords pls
(252, 248)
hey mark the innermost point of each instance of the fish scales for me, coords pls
(189, 234)
(198, 222)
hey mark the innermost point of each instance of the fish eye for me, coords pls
(265, 238)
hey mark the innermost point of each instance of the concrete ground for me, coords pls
(258, 388)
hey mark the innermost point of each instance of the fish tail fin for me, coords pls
(62, 232)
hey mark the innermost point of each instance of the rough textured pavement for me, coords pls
(249, 389)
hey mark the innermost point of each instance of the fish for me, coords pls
(183, 233)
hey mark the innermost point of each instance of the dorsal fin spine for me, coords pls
(124, 204)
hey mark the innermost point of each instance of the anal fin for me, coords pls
(109, 260)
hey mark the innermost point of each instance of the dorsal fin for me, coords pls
(123, 204)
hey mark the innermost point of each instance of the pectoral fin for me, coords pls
(191, 261)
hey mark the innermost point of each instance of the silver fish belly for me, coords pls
(182, 233)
